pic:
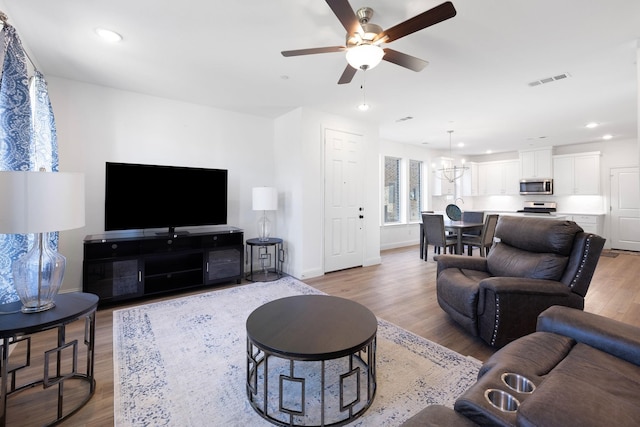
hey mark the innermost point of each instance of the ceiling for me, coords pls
(226, 54)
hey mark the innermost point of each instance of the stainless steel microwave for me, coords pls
(536, 186)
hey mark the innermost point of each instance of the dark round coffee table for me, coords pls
(311, 360)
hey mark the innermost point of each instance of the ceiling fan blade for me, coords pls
(404, 60)
(313, 51)
(345, 14)
(347, 75)
(425, 19)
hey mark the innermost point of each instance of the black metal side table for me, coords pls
(270, 264)
(65, 364)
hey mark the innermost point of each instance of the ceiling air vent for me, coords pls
(404, 119)
(549, 79)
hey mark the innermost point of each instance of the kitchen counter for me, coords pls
(582, 213)
(527, 214)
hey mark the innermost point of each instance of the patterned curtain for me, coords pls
(27, 139)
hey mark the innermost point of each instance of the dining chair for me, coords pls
(485, 239)
(434, 235)
(422, 235)
(472, 216)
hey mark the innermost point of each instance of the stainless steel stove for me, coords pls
(542, 208)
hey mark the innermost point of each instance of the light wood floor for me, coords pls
(401, 290)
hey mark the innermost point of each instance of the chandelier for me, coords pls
(453, 172)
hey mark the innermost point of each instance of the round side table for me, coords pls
(270, 264)
(60, 363)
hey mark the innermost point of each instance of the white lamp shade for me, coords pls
(365, 56)
(39, 202)
(265, 199)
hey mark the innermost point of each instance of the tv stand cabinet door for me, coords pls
(224, 264)
(113, 280)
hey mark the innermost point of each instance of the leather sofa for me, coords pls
(534, 263)
(585, 370)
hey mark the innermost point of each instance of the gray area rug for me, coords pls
(182, 362)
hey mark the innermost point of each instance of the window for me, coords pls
(391, 190)
(403, 190)
(415, 190)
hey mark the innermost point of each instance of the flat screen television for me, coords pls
(141, 196)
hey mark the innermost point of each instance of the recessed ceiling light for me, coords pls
(460, 144)
(108, 35)
(591, 125)
(607, 137)
(489, 151)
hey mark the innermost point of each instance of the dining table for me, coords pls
(459, 228)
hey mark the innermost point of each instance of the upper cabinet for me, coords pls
(577, 174)
(498, 178)
(536, 163)
(469, 181)
(441, 185)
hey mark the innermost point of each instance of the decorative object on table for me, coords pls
(451, 172)
(364, 38)
(264, 199)
(453, 212)
(160, 350)
(40, 203)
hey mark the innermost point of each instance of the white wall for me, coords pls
(97, 124)
(299, 171)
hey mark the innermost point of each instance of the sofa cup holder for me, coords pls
(518, 383)
(501, 400)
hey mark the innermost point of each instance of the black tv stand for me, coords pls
(172, 233)
(131, 264)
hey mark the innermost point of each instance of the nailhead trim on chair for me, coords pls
(497, 322)
(582, 262)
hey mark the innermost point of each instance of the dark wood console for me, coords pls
(124, 265)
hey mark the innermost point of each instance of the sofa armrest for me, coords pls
(461, 261)
(608, 335)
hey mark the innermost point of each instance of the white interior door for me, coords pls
(343, 211)
(625, 209)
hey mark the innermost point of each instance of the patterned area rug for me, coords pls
(182, 362)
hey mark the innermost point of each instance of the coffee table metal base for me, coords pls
(277, 387)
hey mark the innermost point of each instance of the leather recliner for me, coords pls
(533, 264)
(584, 370)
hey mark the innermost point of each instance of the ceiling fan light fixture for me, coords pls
(364, 56)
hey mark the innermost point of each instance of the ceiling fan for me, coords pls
(364, 38)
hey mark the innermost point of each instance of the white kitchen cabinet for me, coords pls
(500, 177)
(589, 223)
(469, 181)
(536, 163)
(576, 174)
(441, 185)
